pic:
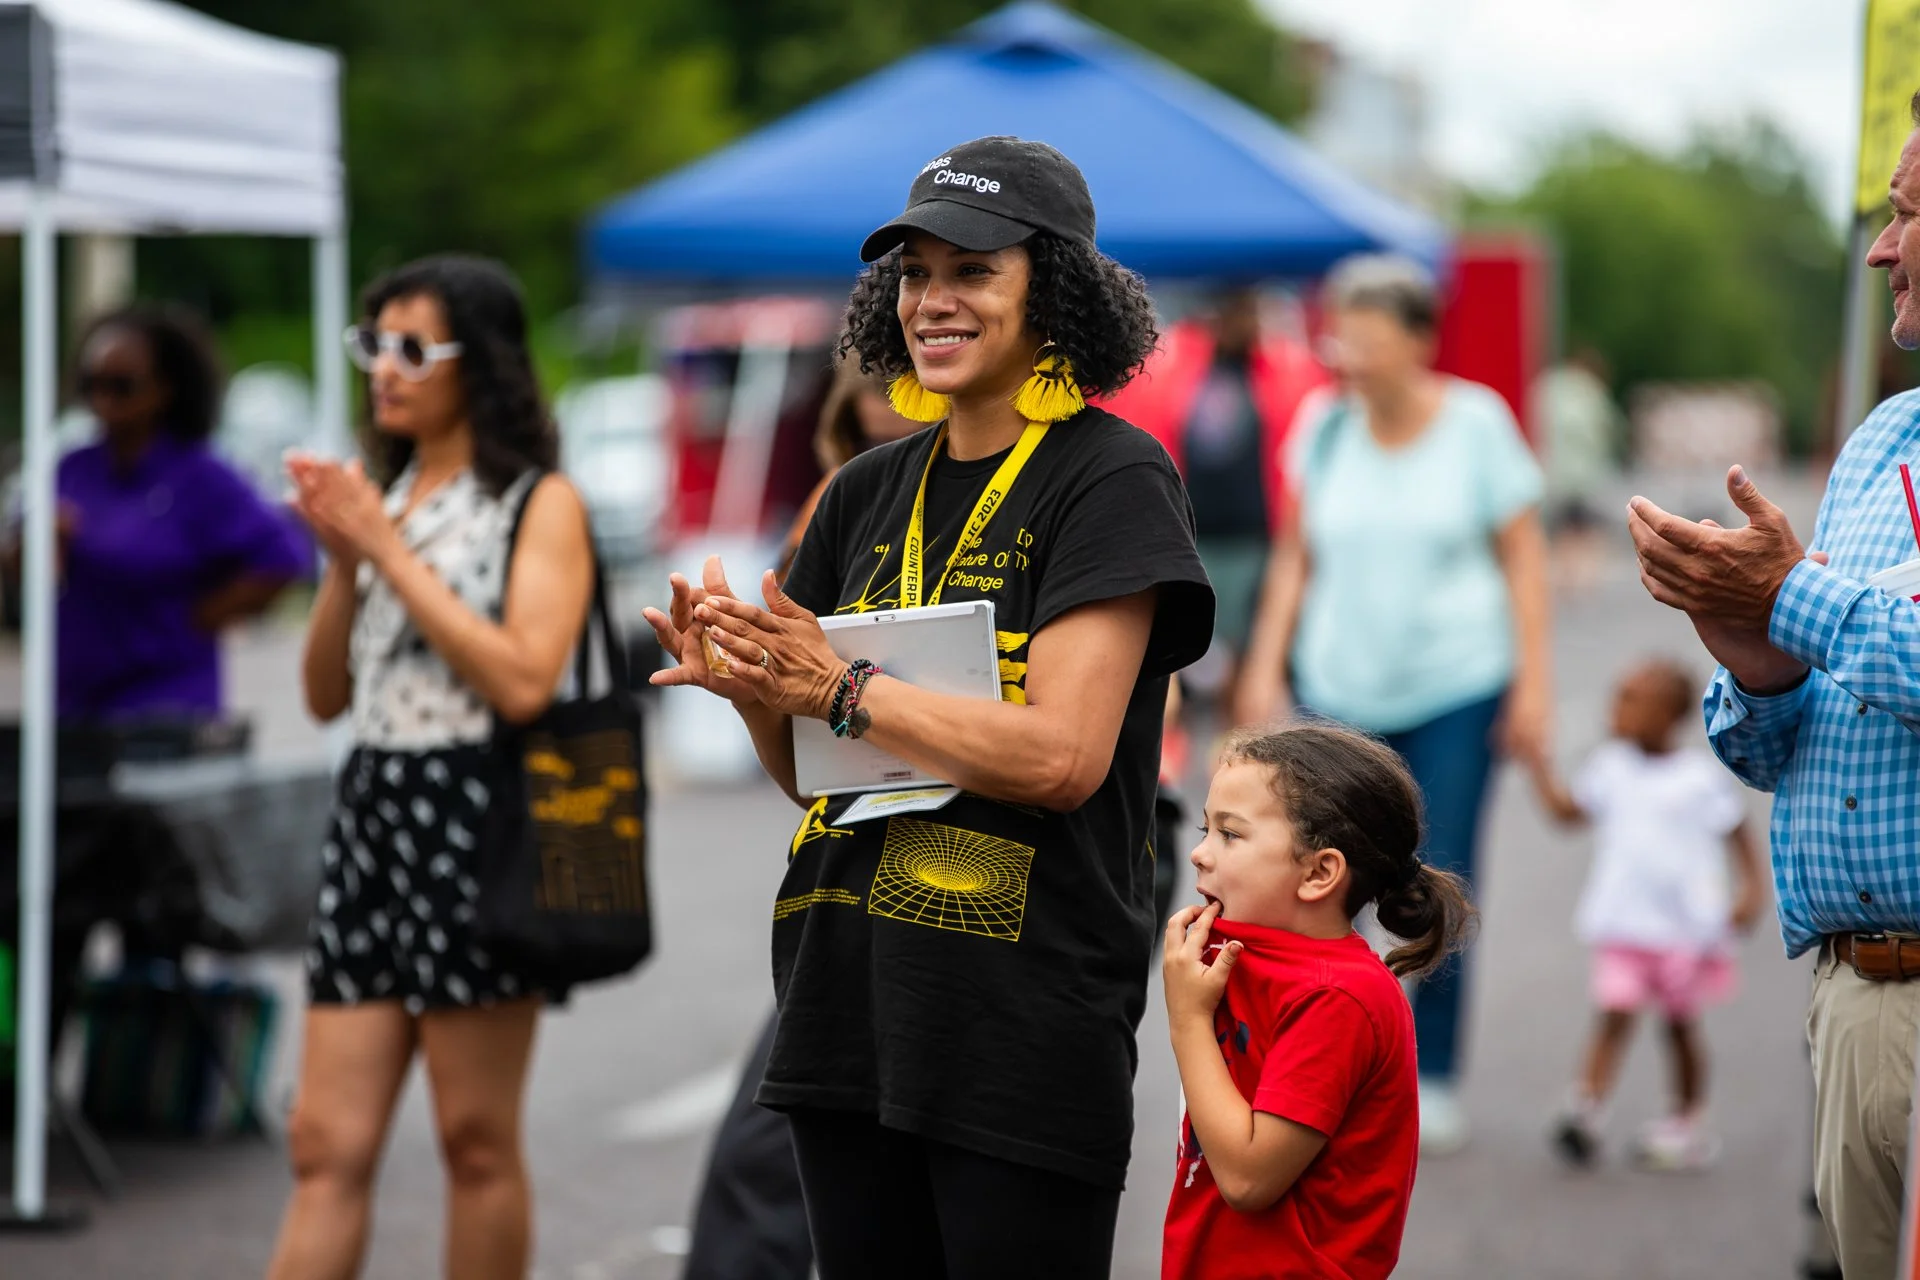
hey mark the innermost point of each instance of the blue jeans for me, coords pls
(1450, 757)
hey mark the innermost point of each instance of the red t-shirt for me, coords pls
(1319, 1033)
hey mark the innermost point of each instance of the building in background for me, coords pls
(1371, 122)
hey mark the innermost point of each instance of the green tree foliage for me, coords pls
(488, 127)
(1716, 262)
(788, 52)
(496, 126)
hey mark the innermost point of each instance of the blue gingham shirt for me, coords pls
(1841, 753)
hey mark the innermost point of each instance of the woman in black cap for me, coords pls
(959, 987)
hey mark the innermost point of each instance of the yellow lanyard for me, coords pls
(983, 511)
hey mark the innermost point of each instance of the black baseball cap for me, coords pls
(991, 193)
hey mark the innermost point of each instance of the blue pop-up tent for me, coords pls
(1188, 182)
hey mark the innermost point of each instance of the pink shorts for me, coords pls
(1627, 979)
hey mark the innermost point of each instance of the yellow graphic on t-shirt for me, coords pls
(872, 599)
(952, 879)
(785, 907)
(814, 827)
(1013, 674)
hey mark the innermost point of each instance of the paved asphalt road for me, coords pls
(630, 1080)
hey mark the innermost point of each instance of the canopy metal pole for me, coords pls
(329, 355)
(38, 371)
(1859, 339)
(753, 419)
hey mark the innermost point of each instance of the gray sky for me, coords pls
(1503, 74)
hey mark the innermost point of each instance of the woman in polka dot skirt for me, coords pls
(422, 635)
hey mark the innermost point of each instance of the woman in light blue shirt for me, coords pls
(1409, 594)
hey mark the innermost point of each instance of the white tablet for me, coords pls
(947, 648)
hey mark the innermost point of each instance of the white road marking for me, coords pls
(672, 1242)
(694, 1104)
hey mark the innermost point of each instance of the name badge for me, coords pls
(885, 804)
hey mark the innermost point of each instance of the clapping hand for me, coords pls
(683, 636)
(1725, 579)
(343, 507)
(780, 650)
(1732, 575)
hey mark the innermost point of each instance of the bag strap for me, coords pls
(1320, 448)
(599, 613)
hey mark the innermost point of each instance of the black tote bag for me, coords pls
(563, 875)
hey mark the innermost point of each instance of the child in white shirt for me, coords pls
(1658, 909)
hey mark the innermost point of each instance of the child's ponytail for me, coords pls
(1429, 909)
(1349, 792)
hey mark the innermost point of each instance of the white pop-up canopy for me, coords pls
(136, 116)
(146, 117)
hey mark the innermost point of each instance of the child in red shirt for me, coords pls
(1294, 1042)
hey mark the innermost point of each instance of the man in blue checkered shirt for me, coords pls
(1817, 700)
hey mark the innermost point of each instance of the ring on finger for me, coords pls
(766, 659)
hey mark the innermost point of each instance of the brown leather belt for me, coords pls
(1878, 957)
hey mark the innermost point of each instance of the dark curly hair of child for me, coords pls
(1089, 306)
(1344, 790)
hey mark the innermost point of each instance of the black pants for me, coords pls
(751, 1223)
(885, 1205)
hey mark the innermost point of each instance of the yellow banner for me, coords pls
(1892, 75)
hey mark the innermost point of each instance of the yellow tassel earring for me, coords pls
(914, 402)
(1051, 394)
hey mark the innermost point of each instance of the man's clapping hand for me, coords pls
(1726, 580)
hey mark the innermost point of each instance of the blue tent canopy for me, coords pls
(1187, 182)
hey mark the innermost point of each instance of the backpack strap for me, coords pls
(1325, 437)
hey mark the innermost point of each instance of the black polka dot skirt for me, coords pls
(400, 887)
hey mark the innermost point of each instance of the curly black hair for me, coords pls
(512, 430)
(184, 359)
(1095, 310)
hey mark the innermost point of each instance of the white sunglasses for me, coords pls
(412, 355)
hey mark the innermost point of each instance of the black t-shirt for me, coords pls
(974, 974)
(1225, 476)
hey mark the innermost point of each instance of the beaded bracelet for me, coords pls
(837, 711)
(852, 723)
(847, 722)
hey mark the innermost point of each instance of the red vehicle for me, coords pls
(746, 379)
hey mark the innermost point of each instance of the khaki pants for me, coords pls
(1863, 1036)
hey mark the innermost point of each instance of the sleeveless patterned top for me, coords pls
(405, 696)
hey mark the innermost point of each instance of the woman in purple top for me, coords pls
(162, 544)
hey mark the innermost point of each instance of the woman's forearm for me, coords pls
(1278, 616)
(323, 666)
(1054, 749)
(237, 600)
(482, 653)
(772, 733)
(1001, 750)
(1522, 548)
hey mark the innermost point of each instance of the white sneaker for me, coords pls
(1443, 1121)
(1677, 1145)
